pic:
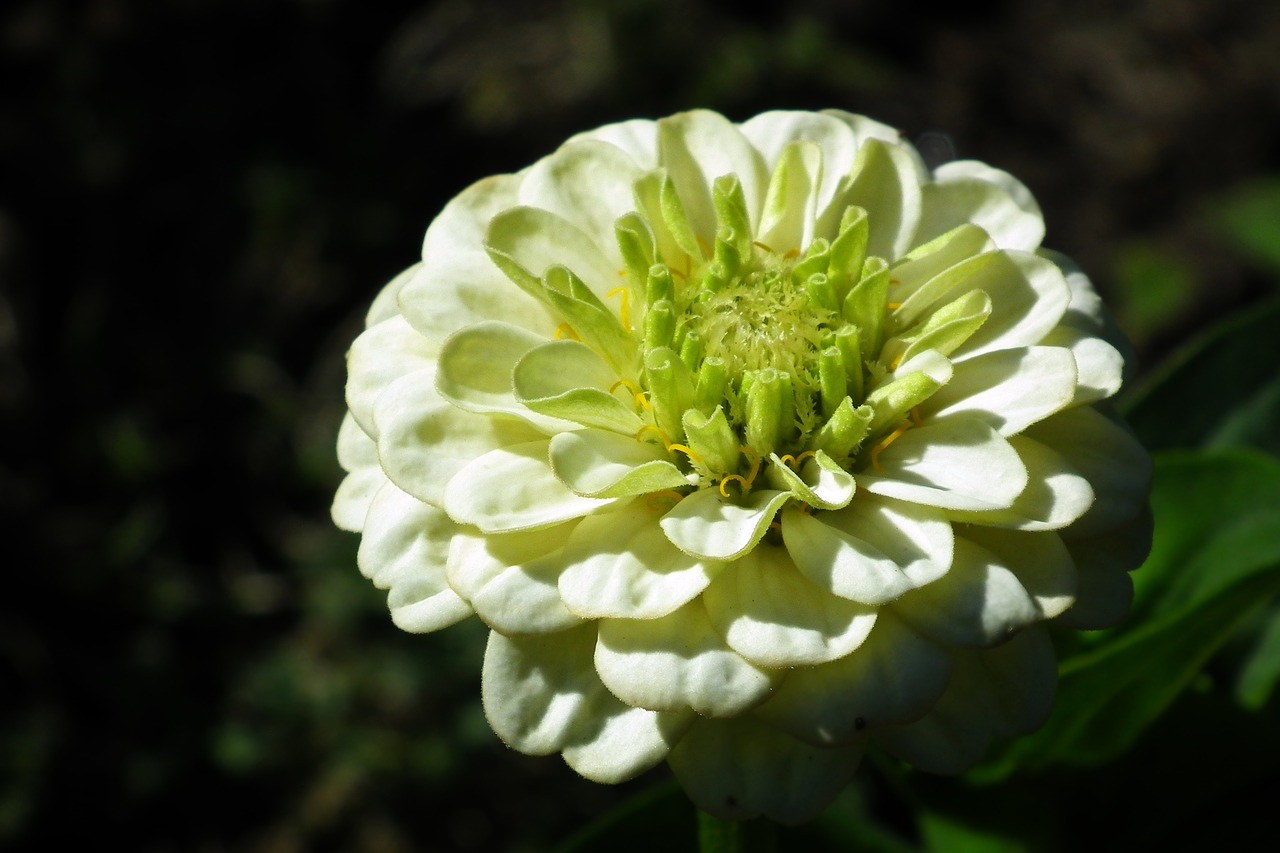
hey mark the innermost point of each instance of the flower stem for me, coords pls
(735, 836)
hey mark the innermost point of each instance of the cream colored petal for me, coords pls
(542, 695)
(379, 356)
(677, 662)
(1105, 454)
(969, 191)
(525, 599)
(1055, 496)
(998, 692)
(638, 137)
(696, 148)
(600, 464)
(475, 372)
(873, 551)
(477, 558)
(770, 133)
(527, 241)
(712, 527)
(459, 289)
(960, 464)
(775, 617)
(978, 602)
(621, 564)
(1007, 389)
(462, 224)
(738, 769)
(355, 449)
(886, 182)
(405, 549)
(588, 183)
(786, 224)
(355, 493)
(1029, 296)
(423, 441)
(894, 677)
(384, 305)
(1099, 365)
(1040, 561)
(513, 488)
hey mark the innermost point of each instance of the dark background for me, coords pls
(198, 199)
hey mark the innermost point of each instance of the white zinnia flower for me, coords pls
(753, 444)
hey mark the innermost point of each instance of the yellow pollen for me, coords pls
(624, 310)
(915, 415)
(763, 246)
(888, 440)
(564, 330)
(893, 306)
(791, 254)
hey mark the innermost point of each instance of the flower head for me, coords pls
(753, 445)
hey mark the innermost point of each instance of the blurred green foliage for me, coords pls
(197, 201)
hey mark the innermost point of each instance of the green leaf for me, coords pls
(1261, 670)
(1215, 562)
(1249, 217)
(1221, 391)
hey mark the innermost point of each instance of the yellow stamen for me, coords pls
(888, 440)
(671, 448)
(661, 435)
(624, 310)
(893, 306)
(763, 246)
(564, 330)
(792, 253)
(793, 462)
(702, 244)
(915, 415)
(641, 400)
(751, 475)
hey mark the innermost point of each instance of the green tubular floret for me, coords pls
(843, 433)
(713, 440)
(658, 284)
(636, 245)
(864, 306)
(671, 390)
(659, 325)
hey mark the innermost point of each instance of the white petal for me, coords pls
(969, 191)
(477, 558)
(1105, 590)
(525, 599)
(1055, 495)
(533, 239)
(586, 182)
(405, 549)
(621, 564)
(1008, 389)
(462, 224)
(568, 380)
(538, 690)
(513, 488)
(1099, 365)
(770, 132)
(1028, 294)
(476, 367)
(774, 617)
(423, 441)
(677, 662)
(958, 464)
(355, 493)
(873, 551)
(638, 137)
(459, 289)
(381, 355)
(616, 742)
(977, 603)
(696, 148)
(707, 525)
(384, 305)
(596, 463)
(355, 449)
(1105, 454)
(787, 221)
(737, 769)
(886, 182)
(894, 677)
(998, 692)
(1040, 562)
